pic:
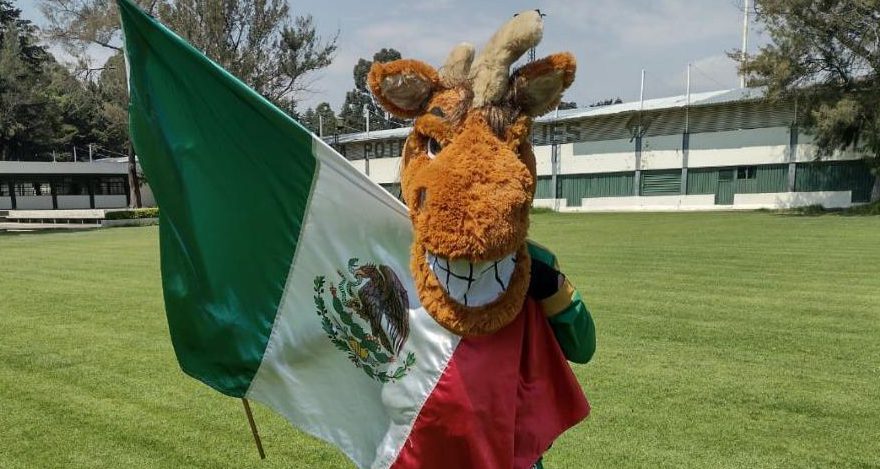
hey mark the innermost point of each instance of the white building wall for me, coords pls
(647, 203)
(147, 198)
(360, 166)
(673, 203)
(609, 156)
(553, 204)
(385, 170)
(827, 199)
(109, 201)
(808, 152)
(542, 159)
(662, 152)
(39, 167)
(67, 202)
(739, 147)
(34, 202)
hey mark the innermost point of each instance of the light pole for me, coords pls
(745, 43)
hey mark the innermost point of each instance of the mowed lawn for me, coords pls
(724, 340)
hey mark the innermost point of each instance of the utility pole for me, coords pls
(687, 108)
(745, 43)
(74, 153)
(554, 162)
(642, 94)
(320, 126)
(686, 137)
(637, 179)
(367, 118)
(90, 153)
(366, 156)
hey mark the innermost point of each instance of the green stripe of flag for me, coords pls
(232, 175)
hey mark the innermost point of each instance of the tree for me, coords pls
(826, 55)
(24, 122)
(327, 118)
(309, 120)
(113, 92)
(351, 116)
(257, 41)
(606, 102)
(321, 120)
(567, 105)
(11, 22)
(73, 109)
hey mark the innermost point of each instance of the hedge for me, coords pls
(132, 214)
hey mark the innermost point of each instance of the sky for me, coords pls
(612, 40)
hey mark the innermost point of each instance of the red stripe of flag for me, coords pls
(500, 403)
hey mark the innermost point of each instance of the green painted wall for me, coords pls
(702, 181)
(835, 176)
(666, 182)
(544, 188)
(393, 188)
(768, 178)
(573, 188)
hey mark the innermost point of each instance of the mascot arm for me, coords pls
(569, 317)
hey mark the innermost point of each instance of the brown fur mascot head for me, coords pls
(468, 173)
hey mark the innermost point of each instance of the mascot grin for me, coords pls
(469, 173)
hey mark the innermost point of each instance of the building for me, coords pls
(102, 184)
(729, 149)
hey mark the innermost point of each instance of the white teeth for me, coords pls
(472, 283)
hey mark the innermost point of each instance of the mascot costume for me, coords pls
(475, 373)
(468, 179)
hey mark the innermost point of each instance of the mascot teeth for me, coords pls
(472, 283)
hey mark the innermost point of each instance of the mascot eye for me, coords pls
(434, 147)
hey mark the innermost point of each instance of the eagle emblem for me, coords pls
(369, 319)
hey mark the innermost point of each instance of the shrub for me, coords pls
(132, 214)
(869, 209)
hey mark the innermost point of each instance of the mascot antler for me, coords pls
(491, 69)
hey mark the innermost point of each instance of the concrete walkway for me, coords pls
(4, 226)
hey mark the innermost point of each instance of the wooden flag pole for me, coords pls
(250, 417)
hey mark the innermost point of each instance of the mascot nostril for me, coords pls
(475, 272)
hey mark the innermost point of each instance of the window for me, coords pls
(4, 189)
(110, 186)
(32, 188)
(746, 172)
(71, 186)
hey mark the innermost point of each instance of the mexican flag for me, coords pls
(286, 279)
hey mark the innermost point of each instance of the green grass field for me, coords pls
(724, 340)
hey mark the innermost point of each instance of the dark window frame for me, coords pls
(747, 172)
(110, 186)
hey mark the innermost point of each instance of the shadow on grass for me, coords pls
(867, 210)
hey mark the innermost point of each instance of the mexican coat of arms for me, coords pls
(369, 320)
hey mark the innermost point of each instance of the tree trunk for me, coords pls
(875, 192)
(133, 180)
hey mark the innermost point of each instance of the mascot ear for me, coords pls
(403, 87)
(537, 87)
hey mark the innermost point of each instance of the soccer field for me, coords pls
(724, 340)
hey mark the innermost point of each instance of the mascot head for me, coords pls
(468, 174)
